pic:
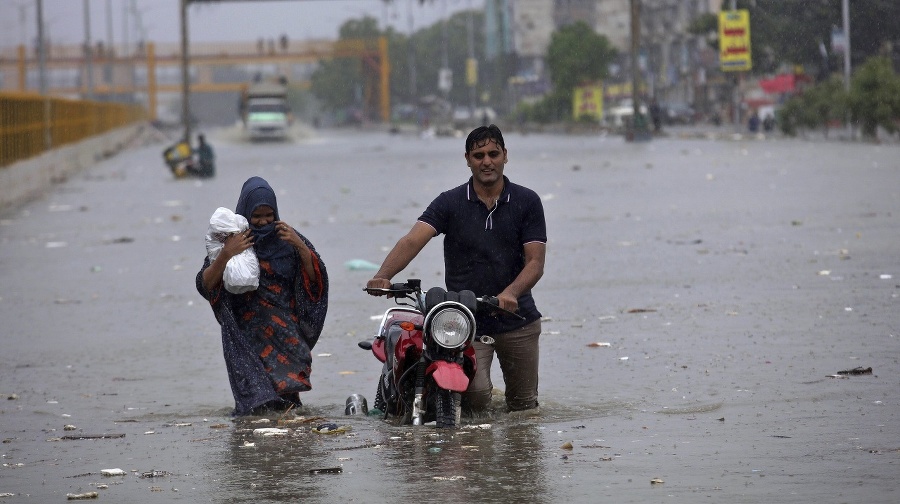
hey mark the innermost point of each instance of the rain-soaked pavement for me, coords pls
(731, 280)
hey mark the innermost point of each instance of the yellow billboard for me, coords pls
(588, 101)
(734, 40)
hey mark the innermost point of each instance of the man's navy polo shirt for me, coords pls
(483, 248)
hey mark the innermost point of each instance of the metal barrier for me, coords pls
(32, 124)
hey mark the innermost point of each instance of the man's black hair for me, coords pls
(483, 134)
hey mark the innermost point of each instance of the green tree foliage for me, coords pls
(873, 102)
(817, 107)
(875, 97)
(338, 82)
(791, 31)
(577, 55)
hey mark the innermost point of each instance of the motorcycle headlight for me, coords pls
(451, 327)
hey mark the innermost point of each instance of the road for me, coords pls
(732, 281)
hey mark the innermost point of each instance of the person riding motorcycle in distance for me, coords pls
(495, 241)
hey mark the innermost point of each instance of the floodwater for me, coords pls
(731, 279)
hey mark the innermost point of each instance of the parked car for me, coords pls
(620, 115)
(678, 113)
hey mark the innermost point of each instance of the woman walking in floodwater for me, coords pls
(268, 333)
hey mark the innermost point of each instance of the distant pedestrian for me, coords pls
(753, 122)
(656, 116)
(206, 166)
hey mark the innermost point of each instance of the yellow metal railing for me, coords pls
(31, 124)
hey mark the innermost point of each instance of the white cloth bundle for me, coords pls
(242, 271)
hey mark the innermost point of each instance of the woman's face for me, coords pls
(262, 216)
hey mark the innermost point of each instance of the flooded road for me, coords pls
(700, 298)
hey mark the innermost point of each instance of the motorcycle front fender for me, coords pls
(448, 375)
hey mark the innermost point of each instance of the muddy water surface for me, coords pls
(730, 279)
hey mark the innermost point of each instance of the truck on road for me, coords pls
(265, 111)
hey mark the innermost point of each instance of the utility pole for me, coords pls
(88, 51)
(845, 11)
(42, 74)
(185, 75)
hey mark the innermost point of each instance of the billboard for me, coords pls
(734, 40)
(588, 102)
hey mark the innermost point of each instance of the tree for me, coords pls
(577, 55)
(875, 97)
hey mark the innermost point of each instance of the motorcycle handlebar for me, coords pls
(494, 303)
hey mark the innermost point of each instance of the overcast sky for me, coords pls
(247, 20)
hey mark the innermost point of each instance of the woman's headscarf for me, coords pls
(255, 193)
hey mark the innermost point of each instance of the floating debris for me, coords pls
(331, 428)
(270, 431)
(327, 470)
(112, 472)
(70, 427)
(641, 310)
(567, 446)
(856, 371)
(76, 437)
(155, 474)
(82, 496)
(656, 481)
(599, 344)
(448, 478)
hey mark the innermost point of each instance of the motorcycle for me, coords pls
(425, 345)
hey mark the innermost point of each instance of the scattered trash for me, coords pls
(885, 277)
(324, 355)
(70, 427)
(82, 496)
(856, 371)
(824, 272)
(112, 472)
(356, 404)
(124, 239)
(641, 310)
(567, 446)
(330, 428)
(56, 244)
(12, 397)
(448, 478)
(270, 431)
(360, 265)
(656, 481)
(599, 344)
(327, 470)
(434, 449)
(155, 474)
(76, 437)
(623, 358)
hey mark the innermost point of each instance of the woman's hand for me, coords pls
(236, 243)
(287, 233)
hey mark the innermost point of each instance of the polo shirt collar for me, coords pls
(504, 195)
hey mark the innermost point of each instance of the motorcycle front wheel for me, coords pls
(446, 408)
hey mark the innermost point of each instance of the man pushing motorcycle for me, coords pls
(495, 241)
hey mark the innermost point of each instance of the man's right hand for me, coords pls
(377, 283)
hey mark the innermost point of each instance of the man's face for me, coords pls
(486, 161)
